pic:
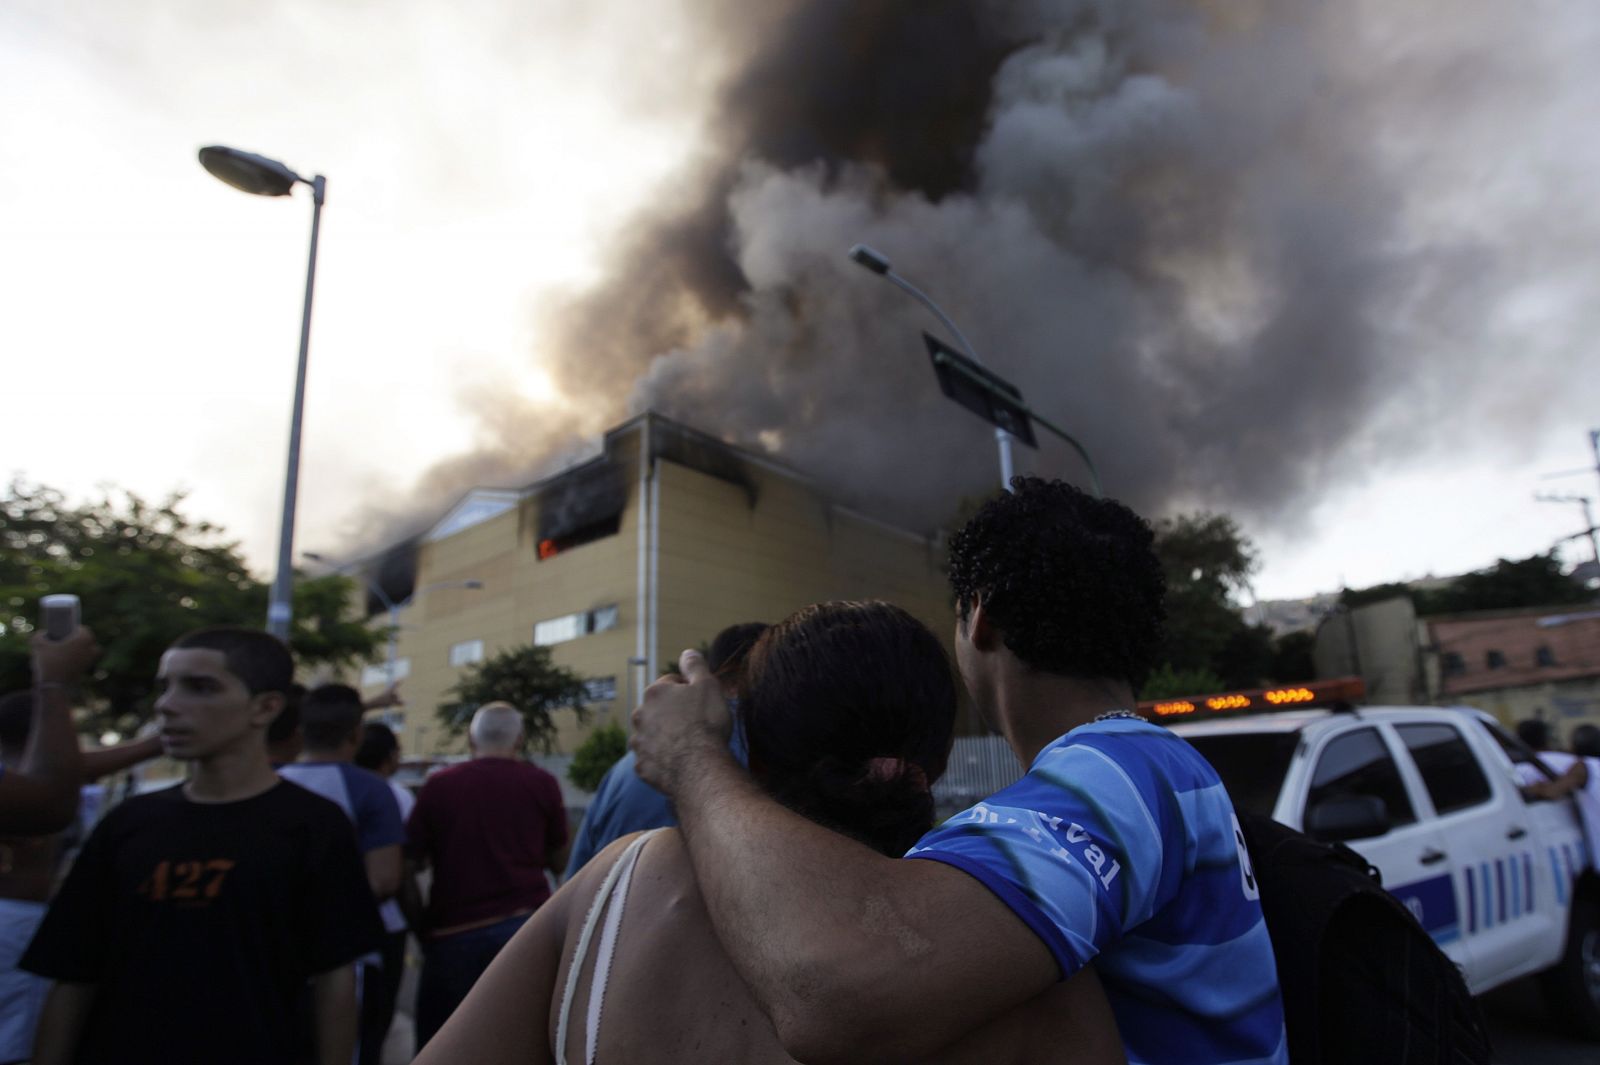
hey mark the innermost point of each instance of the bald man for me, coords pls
(490, 828)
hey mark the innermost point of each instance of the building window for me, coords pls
(600, 690)
(466, 653)
(1454, 664)
(378, 675)
(1544, 656)
(551, 546)
(1494, 660)
(572, 626)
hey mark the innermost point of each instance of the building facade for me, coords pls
(1516, 664)
(618, 563)
(1539, 662)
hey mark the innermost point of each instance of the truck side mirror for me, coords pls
(1348, 817)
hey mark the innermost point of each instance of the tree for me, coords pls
(1292, 660)
(146, 573)
(528, 679)
(1534, 581)
(1168, 683)
(596, 755)
(1207, 561)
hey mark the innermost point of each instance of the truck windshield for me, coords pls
(1251, 764)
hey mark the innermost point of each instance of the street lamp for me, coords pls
(390, 605)
(876, 262)
(261, 176)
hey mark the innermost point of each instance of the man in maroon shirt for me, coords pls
(489, 827)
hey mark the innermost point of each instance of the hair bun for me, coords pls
(884, 802)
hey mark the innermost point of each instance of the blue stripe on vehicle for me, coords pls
(1527, 879)
(1433, 903)
(1556, 877)
(1472, 901)
(1488, 894)
(1500, 887)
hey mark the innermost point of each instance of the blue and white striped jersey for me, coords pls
(1120, 846)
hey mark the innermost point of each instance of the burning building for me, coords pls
(619, 562)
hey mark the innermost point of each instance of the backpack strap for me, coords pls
(618, 878)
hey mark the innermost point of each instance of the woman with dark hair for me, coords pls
(849, 709)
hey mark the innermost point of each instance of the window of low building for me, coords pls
(1544, 656)
(1494, 659)
(466, 653)
(373, 676)
(571, 626)
(1454, 664)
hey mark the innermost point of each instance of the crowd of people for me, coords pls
(759, 879)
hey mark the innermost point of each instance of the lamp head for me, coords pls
(248, 172)
(870, 259)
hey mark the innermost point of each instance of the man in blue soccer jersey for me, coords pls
(1119, 846)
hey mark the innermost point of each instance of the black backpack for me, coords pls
(1361, 980)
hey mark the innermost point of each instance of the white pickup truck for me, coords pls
(1430, 796)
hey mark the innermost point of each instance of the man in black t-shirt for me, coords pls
(194, 916)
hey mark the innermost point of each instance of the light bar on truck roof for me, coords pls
(1302, 696)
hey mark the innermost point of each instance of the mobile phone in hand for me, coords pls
(60, 614)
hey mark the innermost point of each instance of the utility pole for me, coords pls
(1588, 520)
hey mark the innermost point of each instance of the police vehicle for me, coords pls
(1430, 796)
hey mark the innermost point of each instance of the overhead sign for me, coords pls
(986, 394)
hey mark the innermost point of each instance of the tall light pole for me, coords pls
(261, 176)
(876, 262)
(389, 604)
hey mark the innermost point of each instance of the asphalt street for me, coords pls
(1524, 1034)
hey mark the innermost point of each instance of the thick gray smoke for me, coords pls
(1230, 246)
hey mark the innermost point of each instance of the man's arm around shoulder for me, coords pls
(853, 956)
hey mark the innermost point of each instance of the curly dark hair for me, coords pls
(1071, 582)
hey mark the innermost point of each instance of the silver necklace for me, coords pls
(1110, 715)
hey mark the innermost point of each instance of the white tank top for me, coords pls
(613, 889)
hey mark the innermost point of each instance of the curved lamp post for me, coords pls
(261, 176)
(878, 263)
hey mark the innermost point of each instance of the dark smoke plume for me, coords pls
(1192, 233)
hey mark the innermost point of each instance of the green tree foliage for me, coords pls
(1291, 658)
(1207, 562)
(1533, 581)
(597, 754)
(528, 679)
(1354, 597)
(1507, 585)
(1168, 683)
(146, 573)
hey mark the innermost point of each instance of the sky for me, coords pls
(483, 163)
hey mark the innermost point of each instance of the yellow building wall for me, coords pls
(519, 591)
(719, 560)
(723, 560)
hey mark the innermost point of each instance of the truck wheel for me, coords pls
(1572, 985)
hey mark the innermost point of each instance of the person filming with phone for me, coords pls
(39, 795)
